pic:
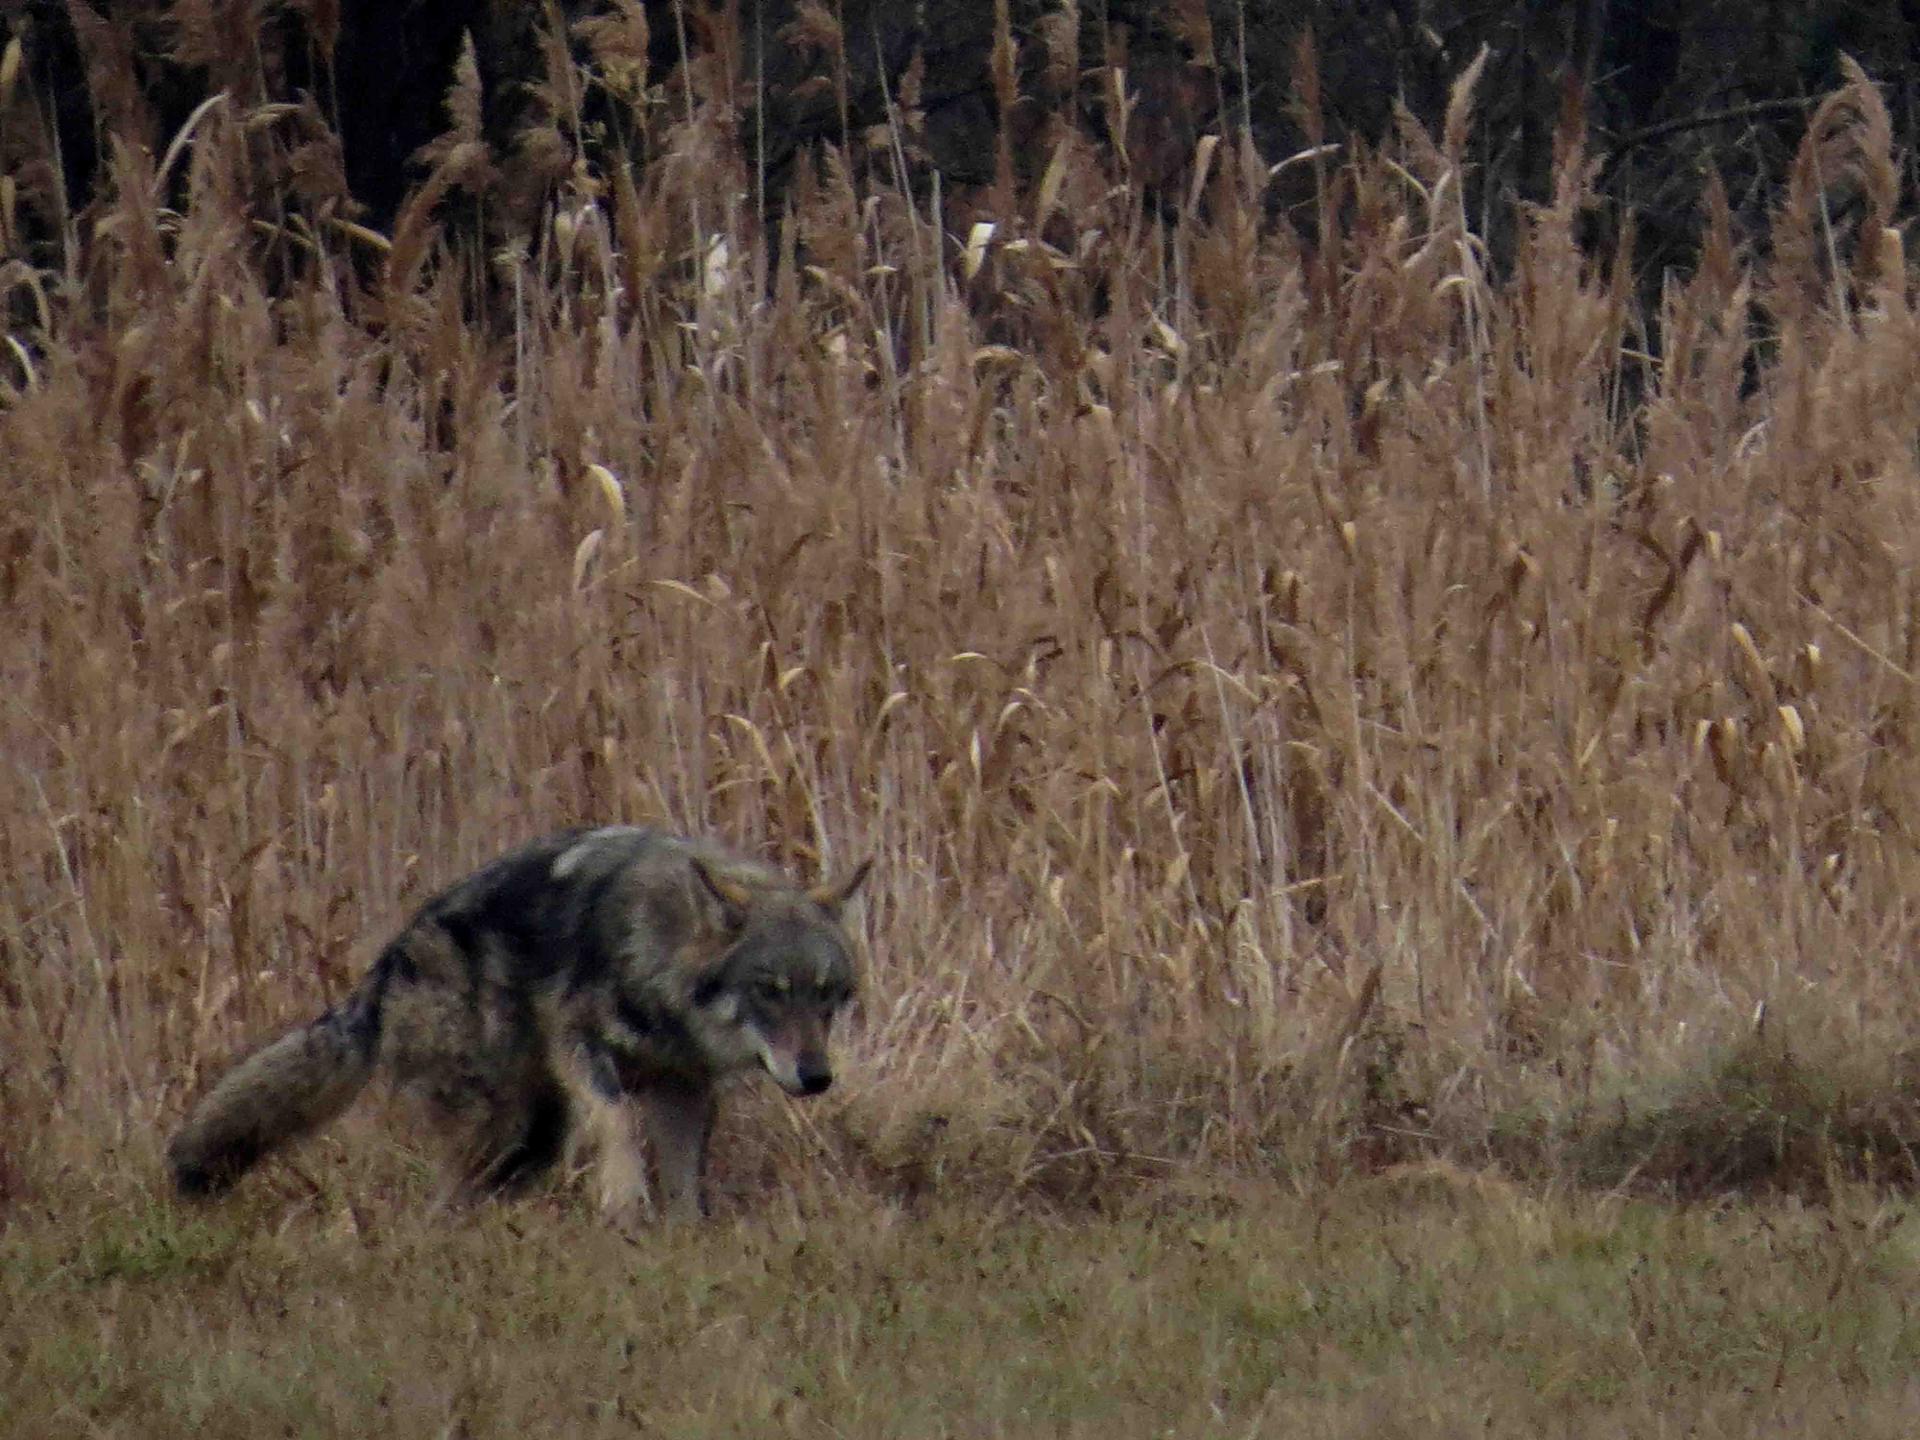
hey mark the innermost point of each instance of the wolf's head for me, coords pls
(786, 972)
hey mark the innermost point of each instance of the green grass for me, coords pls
(1434, 1303)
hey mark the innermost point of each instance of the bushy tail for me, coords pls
(280, 1092)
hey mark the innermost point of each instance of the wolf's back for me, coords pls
(281, 1091)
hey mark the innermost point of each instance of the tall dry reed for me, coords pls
(1314, 701)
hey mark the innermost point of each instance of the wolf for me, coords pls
(526, 1005)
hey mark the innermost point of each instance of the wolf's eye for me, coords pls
(774, 987)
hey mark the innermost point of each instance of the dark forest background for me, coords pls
(348, 95)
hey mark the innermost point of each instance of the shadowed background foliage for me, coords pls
(1668, 93)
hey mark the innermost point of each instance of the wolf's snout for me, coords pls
(814, 1078)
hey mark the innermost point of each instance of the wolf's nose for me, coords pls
(812, 1082)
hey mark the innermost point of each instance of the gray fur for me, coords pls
(528, 1003)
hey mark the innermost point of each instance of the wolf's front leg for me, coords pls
(600, 1110)
(680, 1119)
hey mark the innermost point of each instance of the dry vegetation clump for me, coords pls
(1317, 703)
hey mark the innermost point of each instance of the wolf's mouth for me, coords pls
(797, 1075)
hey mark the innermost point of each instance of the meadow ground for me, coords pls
(1393, 784)
(1424, 1302)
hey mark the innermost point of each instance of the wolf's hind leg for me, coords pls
(535, 1137)
(456, 1129)
(493, 1143)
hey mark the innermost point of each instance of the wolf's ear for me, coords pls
(733, 898)
(830, 897)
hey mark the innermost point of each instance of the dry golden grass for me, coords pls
(1316, 705)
